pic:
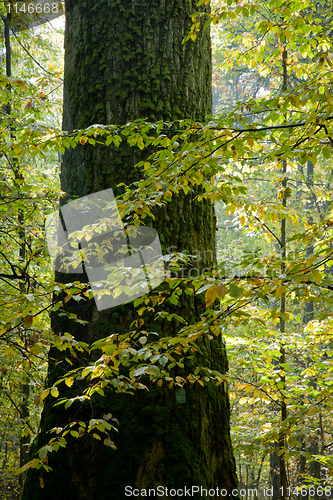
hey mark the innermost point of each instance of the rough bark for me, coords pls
(124, 60)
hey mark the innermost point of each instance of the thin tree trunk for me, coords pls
(274, 475)
(25, 392)
(257, 483)
(240, 477)
(301, 466)
(282, 443)
(309, 306)
(247, 482)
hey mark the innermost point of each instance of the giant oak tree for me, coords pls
(125, 60)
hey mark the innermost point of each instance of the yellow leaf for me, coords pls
(242, 220)
(140, 322)
(55, 392)
(83, 140)
(215, 330)
(243, 401)
(214, 197)
(69, 381)
(41, 481)
(25, 467)
(294, 100)
(210, 295)
(232, 208)
(310, 260)
(28, 321)
(160, 382)
(28, 104)
(279, 291)
(316, 276)
(44, 394)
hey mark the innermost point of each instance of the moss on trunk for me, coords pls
(123, 60)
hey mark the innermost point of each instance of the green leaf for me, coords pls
(235, 291)
(54, 392)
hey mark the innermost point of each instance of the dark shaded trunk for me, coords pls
(274, 466)
(125, 60)
(282, 438)
(310, 205)
(301, 465)
(257, 483)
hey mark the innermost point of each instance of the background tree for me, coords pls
(28, 188)
(265, 34)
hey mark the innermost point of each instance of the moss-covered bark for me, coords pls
(124, 60)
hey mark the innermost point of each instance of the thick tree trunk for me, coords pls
(124, 60)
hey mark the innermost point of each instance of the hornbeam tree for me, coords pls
(125, 61)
